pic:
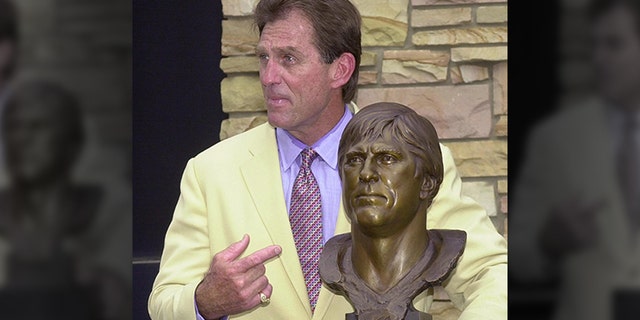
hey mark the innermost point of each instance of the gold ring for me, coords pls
(264, 299)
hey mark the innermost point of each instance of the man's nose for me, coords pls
(270, 73)
(369, 172)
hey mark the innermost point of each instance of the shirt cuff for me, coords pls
(199, 316)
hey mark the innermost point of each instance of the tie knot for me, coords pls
(308, 155)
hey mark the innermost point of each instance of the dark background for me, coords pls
(176, 112)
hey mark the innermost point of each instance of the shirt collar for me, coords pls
(327, 147)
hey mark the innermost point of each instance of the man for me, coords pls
(391, 167)
(309, 52)
(576, 213)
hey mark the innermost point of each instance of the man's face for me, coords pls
(295, 80)
(616, 54)
(380, 188)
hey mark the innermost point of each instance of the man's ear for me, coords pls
(429, 187)
(341, 69)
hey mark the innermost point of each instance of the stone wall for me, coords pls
(447, 59)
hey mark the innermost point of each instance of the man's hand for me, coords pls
(233, 285)
(570, 227)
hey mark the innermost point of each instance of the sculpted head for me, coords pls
(391, 168)
(42, 133)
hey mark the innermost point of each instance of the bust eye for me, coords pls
(353, 160)
(387, 158)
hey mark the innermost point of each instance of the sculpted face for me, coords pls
(36, 141)
(616, 48)
(381, 191)
(296, 83)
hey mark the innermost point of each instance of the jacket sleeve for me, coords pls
(186, 255)
(478, 286)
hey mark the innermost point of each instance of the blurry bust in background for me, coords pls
(53, 226)
(391, 169)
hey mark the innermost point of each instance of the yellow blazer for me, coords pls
(234, 188)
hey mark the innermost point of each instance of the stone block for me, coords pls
(470, 54)
(239, 37)
(503, 186)
(500, 88)
(377, 31)
(450, 2)
(396, 72)
(242, 94)
(455, 111)
(240, 64)
(492, 14)
(501, 128)
(238, 7)
(390, 9)
(368, 58)
(367, 77)
(483, 193)
(461, 36)
(440, 17)
(436, 57)
(504, 204)
(483, 158)
(468, 74)
(414, 66)
(235, 125)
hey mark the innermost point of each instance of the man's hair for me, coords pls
(597, 8)
(406, 127)
(336, 24)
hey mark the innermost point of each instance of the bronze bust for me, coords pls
(391, 169)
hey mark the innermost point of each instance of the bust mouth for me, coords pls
(370, 199)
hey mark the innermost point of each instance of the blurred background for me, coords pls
(574, 240)
(65, 159)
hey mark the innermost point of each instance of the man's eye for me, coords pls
(289, 59)
(263, 57)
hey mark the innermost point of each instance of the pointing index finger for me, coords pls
(260, 256)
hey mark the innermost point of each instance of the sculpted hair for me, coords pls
(406, 127)
(336, 24)
(597, 8)
(51, 96)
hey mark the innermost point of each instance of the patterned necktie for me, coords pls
(629, 169)
(306, 223)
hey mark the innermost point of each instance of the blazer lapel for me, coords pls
(265, 186)
(326, 297)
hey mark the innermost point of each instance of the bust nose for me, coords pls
(368, 172)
